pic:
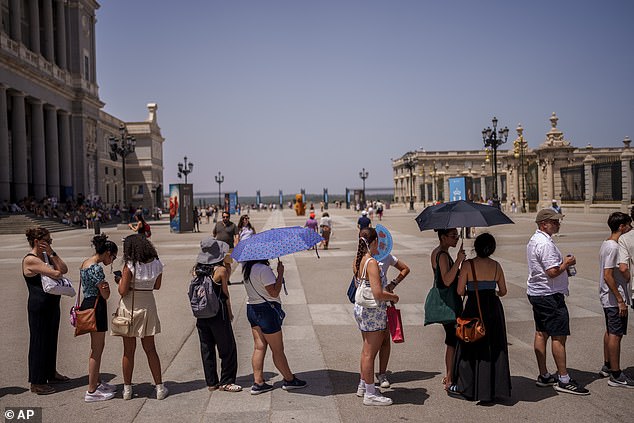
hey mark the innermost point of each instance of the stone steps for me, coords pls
(18, 223)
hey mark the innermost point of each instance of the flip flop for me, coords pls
(230, 387)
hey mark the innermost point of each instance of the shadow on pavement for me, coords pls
(247, 380)
(415, 396)
(12, 390)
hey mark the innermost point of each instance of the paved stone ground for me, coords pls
(321, 338)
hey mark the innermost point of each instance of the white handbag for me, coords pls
(61, 286)
(364, 296)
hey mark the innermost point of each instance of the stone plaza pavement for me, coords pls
(321, 338)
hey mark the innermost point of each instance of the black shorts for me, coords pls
(615, 324)
(551, 314)
(101, 313)
(451, 340)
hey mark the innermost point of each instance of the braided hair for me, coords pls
(366, 237)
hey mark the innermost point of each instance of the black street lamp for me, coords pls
(520, 148)
(493, 140)
(185, 169)
(363, 175)
(219, 180)
(410, 163)
(122, 146)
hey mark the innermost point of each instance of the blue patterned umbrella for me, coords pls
(275, 242)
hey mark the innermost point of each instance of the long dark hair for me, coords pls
(243, 219)
(138, 249)
(247, 265)
(202, 270)
(366, 237)
(102, 244)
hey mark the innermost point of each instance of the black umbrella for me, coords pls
(459, 214)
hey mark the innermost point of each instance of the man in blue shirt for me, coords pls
(364, 221)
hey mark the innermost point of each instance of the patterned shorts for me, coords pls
(371, 319)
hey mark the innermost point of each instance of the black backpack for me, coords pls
(202, 298)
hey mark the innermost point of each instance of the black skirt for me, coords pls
(101, 313)
(481, 369)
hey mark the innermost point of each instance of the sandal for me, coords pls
(453, 390)
(59, 378)
(230, 387)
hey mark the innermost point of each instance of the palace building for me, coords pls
(582, 179)
(54, 137)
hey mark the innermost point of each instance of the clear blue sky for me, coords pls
(303, 94)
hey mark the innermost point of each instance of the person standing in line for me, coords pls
(386, 346)
(325, 226)
(142, 274)
(226, 231)
(311, 222)
(626, 257)
(216, 332)
(446, 273)
(245, 228)
(364, 221)
(371, 319)
(613, 293)
(265, 315)
(196, 216)
(96, 289)
(43, 311)
(481, 369)
(547, 286)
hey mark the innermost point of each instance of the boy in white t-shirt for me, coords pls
(614, 300)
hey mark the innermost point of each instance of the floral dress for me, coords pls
(370, 319)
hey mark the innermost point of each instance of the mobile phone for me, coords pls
(117, 275)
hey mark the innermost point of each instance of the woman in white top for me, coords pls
(142, 273)
(265, 314)
(245, 229)
(325, 226)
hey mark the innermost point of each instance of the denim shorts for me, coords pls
(267, 316)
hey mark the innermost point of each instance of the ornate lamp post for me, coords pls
(421, 174)
(363, 175)
(185, 169)
(520, 147)
(493, 140)
(219, 180)
(410, 163)
(122, 146)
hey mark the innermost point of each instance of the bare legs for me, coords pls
(612, 350)
(97, 342)
(261, 342)
(129, 348)
(449, 354)
(558, 349)
(384, 352)
(371, 344)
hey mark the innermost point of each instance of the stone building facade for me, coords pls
(585, 179)
(51, 124)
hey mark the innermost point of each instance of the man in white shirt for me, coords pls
(547, 286)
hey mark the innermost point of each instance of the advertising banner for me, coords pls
(233, 202)
(181, 204)
(175, 217)
(460, 188)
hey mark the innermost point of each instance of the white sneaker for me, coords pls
(376, 399)
(361, 390)
(383, 382)
(127, 392)
(161, 392)
(98, 396)
(106, 387)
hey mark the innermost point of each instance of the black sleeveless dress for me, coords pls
(481, 369)
(44, 315)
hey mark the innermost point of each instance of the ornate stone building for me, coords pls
(586, 179)
(52, 129)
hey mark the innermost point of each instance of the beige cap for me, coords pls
(548, 214)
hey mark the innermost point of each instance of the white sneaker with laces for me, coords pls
(361, 390)
(106, 387)
(98, 396)
(161, 392)
(383, 382)
(376, 399)
(127, 392)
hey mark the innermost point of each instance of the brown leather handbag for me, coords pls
(86, 320)
(471, 329)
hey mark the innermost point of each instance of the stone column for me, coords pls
(34, 26)
(60, 45)
(18, 142)
(52, 152)
(5, 169)
(16, 24)
(38, 150)
(626, 170)
(65, 157)
(483, 187)
(49, 34)
(589, 181)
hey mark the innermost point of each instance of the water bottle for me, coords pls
(572, 269)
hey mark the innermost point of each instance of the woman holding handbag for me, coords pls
(481, 370)
(96, 293)
(446, 277)
(43, 311)
(142, 274)
(370, 313)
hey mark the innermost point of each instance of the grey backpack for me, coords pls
(202, 297)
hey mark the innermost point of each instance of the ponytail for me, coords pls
(366, 237)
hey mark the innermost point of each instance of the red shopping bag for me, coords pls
(395, 324)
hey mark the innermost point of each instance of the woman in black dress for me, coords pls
(481, 369)
(43, 311)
